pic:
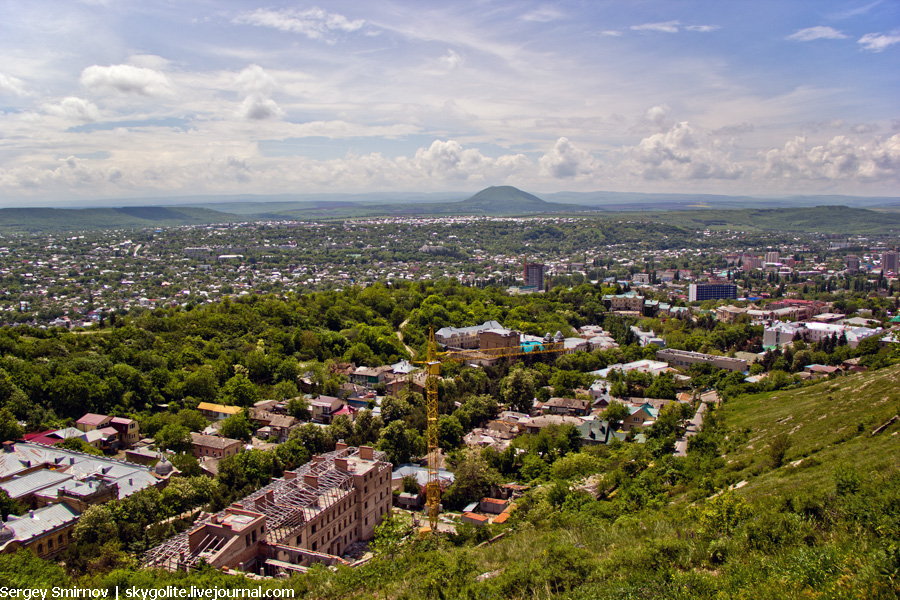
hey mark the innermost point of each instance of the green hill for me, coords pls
(17, 220)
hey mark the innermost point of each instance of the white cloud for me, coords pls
(452, 60)
(566, 161)
(314, 23)
(255, 79)
(611, 33)
(840, 158)
(816, 33)
(657, 115)
(878, 42)
(12, 85)
(545, 14)
(127, 79)
(703, 28)
(257, 107)
(665, 26)
(72, 108)
(681, 153)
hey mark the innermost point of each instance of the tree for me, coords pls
(400, 443)
(450, 432)
(616, 412)
(96, 526)
(9, 427)
(202, 384)
(240, 391)
(518, 390)
(78, 445)
(237, 427)
(8, 506)
(298, 408)
(474, 478)
(173, 437)
(778, 448)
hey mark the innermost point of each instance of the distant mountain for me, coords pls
(18, 220)
(507, 200)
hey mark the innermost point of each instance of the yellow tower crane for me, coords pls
(433, 372)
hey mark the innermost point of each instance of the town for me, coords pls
(265, 392)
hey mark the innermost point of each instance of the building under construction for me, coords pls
(311, 515)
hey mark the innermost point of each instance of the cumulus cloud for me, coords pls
(257, 107)
(665, 26)
(315, 23)
(255, 79)
(127, 79)
(451, 60)
(12, 85)
(682, 153)
(545, 14)
(879, 42)
(657, 115)
(565, 161)
(449, 159)
(75, 109)
(840, 158)
(816, 33)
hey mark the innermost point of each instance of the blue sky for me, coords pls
(119, 98)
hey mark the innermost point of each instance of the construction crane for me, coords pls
(432, 364)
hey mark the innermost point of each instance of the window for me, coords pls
(314, 528)
(253, 534)
(40, 548)
(50, 544)
(315, 545)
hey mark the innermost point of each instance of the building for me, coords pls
(57, 485)
(499, 338)
(624, 302)
(311, 515)
(217, 412)
(533, 273)
(773, 257)
(684, 359)
(213, 446)
(852, 262)
(697, 292)
(463, 337)
(890, 263)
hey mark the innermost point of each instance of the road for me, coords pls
(400, 336)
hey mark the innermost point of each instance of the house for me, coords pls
(370, 376)
(214, 446)
(475, 519)
(128, 430)
(567, 406)
(537, 423)
(463, 337)
(91, 421)
(640, 416)
(217, 412)
(494, 506)
(322, 409)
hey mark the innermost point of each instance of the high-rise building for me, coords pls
(773, 257)
(852, 262)
(711, 291)
(534, 275)
(890, 263)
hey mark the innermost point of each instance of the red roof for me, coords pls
(92, 419)
(471, 515)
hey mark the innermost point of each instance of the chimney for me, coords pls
(366, 453)
(288, 475)
(340, 464)
(340, 445)
(9, 446)
(311, 481)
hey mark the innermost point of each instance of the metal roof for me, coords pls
(21, 486)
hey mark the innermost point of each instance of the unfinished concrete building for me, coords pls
(311, 515)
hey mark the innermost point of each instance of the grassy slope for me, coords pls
(17, 220)
(830, 424)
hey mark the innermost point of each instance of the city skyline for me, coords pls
(107, 99)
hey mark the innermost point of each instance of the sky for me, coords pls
(126, 99)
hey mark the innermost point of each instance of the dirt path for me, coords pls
(400, 336)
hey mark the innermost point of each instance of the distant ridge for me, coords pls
(33, 220)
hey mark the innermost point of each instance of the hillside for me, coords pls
(19, 220)
(507, 200)
(824, 219)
